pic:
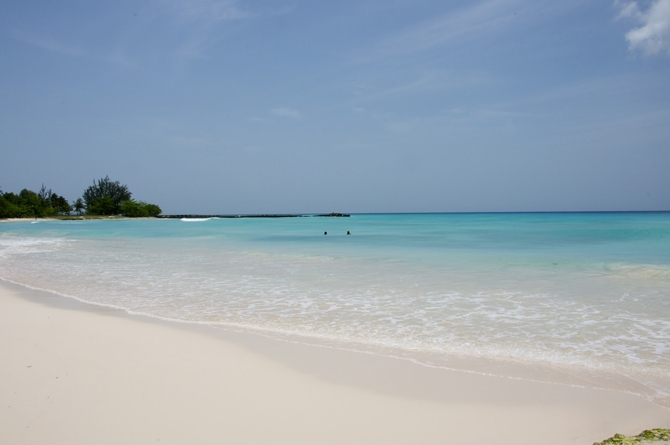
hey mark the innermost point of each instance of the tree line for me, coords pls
(104, 197)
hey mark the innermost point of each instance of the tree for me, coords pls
(105, 196)
(59, 204)
(30, 204)
(103, 206)
(9, 206)
(134, 208)
(152, 209)
(44, 193)
(7, 209)
(78, 206)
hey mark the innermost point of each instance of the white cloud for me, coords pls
(630, 9)
(286, 112)
(653, 34)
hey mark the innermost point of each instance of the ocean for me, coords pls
(584, 294)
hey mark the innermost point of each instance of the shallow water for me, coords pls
(579, 292)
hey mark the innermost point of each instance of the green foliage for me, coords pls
(646, 436)
(134, 208)
(32, 203)
(105, 196)
(28, 204)
(7, 209)
(102, 206)
(78, 206)
(60, 204)
(153, 209)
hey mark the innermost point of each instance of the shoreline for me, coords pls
(78, 218)
(400, 401)
(174, 216)
(268, 342)
(334, 214)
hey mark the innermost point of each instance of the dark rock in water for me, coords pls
(252, 216)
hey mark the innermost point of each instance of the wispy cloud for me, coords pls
(459, 117)
(181, 29)
(593, 90)
(208, 10)
(199, 22)
(534, 106)
(286, 112)
(116, 57)
(482, 17)
(119, 58)
(653, 34)
(48, 44)
(429, 81)
(193, 47)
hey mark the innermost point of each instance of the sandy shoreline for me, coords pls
(73, 373)
(77, 218)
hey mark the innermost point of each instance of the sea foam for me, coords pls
(428, 287)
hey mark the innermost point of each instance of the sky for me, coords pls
(291, 106)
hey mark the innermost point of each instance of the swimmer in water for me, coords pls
(348, 233)
(325, 233)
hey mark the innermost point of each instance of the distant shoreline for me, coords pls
(320, 215)
(127, 218)
(76, 218)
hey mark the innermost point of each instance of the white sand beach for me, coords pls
(77, 374)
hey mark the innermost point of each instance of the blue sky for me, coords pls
(209, 106)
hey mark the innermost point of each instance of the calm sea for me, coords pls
(586, 294)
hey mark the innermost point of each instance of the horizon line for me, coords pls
(413, 213)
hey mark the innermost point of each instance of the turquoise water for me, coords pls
(578, 292)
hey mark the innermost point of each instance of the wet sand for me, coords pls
(78, 374)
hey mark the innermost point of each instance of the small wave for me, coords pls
(22, 245)
(195, 219)
(650, 390)
(643, 271)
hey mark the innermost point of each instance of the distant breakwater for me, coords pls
(335, 215)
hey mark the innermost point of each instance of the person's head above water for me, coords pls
(325, 233)
(348, 233)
